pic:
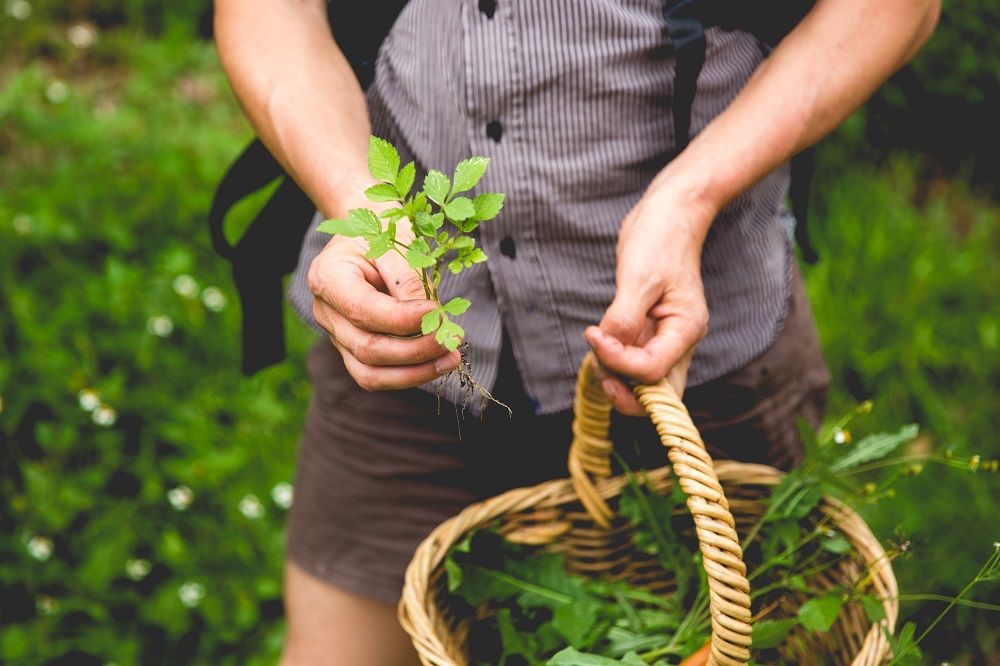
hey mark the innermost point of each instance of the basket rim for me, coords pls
(419, 619)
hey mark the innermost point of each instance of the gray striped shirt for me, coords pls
(572, 101)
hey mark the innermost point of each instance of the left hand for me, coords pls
(659, 313)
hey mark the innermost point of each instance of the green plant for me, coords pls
(537, 612)
(427, 244)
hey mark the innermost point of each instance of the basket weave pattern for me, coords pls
(576, 518)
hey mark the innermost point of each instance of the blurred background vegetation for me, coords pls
(144, 481)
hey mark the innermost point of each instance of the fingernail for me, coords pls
(445, 364)
(610, 388)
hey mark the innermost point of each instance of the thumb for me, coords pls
(625, 317)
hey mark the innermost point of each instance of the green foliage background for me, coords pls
(108, 157)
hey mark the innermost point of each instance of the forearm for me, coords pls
(299, 93)
(820, 73)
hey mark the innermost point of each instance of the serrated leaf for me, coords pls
(360, 222)
(463, 242)
(404, 181)
(573, 657)
(430, 322)
(436, 186)
(378, 245)
(473, 256)
(455, 266)
(836, 544)
(392, 214)
(874, 447)
(468, 172)
(383, 160)
(457, 305)
(382, 192)
(575, 621)
(459, 209)
(770, 633)
(820, 613)
(428, 224)
(488, 205)
(449, 335)
(418, 256)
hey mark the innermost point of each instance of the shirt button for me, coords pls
(488, 7)
(507, 248)
(494, 130)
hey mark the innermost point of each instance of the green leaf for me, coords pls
(820, 613)
(428, 224)
(360, 222)
(874, 447)
(770, 633)
(383, 160)
(382, 192)
(436, 185)
(488, 205)
(404, 181)
(418, 256)
(455, 266)
(378, 245)
(903, 645)
(450, 334)
(572, 657)
(463, 242)
(392, 214)
(473, 256)
(575, 622)
(430, 322)
(459, 209)
(874, 610)
(836, 544)
(468, 172)
(457, 305)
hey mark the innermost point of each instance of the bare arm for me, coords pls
(820, 73)
(302, 97)
(299, 93)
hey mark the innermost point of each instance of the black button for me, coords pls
(507, 248)
(494, 130)
(488, 7)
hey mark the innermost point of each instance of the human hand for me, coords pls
(659, 312)
(368, 307)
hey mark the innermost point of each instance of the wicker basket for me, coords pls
(574, 516)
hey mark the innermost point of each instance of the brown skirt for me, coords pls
(378, 471)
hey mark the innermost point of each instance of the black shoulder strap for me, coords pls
(769, 22)
(270, 248)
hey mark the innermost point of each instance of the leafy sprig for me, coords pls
(442, 221)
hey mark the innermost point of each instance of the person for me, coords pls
(666, 263)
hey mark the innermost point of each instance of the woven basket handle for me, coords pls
(590, 459)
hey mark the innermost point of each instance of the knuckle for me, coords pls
(355, 312)
(365, 349)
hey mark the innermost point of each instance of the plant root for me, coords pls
(471, 389)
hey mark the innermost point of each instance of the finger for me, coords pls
(401, 281)
(377, 349)
(383, 378)
(649, 363)
(626, 315)
(365, 307)
(622, 398)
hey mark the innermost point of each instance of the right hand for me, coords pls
(363, 304)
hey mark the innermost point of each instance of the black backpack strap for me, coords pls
(687, 34)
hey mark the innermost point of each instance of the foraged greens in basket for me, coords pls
(527, 609)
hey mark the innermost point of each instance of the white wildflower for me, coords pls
(214, 299)
(46, 605)
(282, 494)
(19, 10)
(40, 547)
(191, 593)
(81, 35)
(180, 497)
(104, 416)
(57, 91)
(186, 286)
(160, 325)
(23, 224)
(89, 399)
(251, 507)
(138, 568)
